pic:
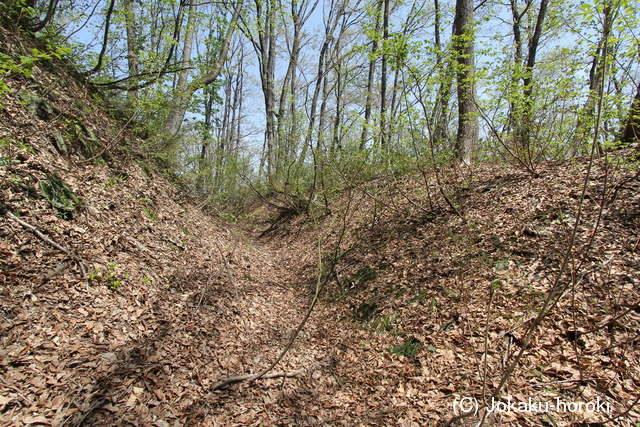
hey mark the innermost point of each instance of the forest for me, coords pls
(306, 213)
(297, 96)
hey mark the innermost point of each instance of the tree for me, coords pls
(184, 90)
(336, 9)
(300, 11)
(383, 74)
(524, 124)
(132, 45)
(105, 39)
(440, 117)
(264, 41)
(373, 56)
(464, 53)
(25, 14)
(631, 131)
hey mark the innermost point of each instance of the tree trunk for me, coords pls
(105, 40)
(299, 16)
(51, 9)
(372, 67)
(264, 44)
(631, 131)
(330, 26)
(441, 110)
(526, 123)
(268, 78)
(383, 75)
(586, 115)
(463, 46)
(336, 144)
(180, 98)
(596, 77)
(183, 91)
(240, 95)
(132, 47)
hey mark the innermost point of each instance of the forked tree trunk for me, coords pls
(184, 91)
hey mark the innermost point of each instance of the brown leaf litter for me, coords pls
(175, 300)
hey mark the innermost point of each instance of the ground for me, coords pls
(124, 301)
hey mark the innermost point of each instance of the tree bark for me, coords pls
(299, 15)
(264, 44)
(526, 123)
(105, 40)
(132, 46)
(53, 4)
(330, 26)
(336, 144)
(184, 91)
(631, 131)
(441, 110)
(383, 75)
(597, 74)
(463, 46)
(180, 99)
(372, 66)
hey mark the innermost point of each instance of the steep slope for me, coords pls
(123, 304)
(420, 293)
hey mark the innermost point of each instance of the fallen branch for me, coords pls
(227, 269)
(232, 380)
(96, 405)
(17, 390)
(264, 374)
(138, 244)
(322, 280)
(5, 210)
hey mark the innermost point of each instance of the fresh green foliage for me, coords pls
(60, 195)
(420, 298)
(7, 162)
(150, 212)
(366, 311)
(22, 145)
(535, 98)
(23, 65)
(365, 274)
(407, 349)
(386, 322)
(109, 277)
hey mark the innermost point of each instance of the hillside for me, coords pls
(441, 288)
(124, 304)
(148, 302)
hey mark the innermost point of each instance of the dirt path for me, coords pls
(149, 351)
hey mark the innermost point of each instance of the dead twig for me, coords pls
(5, 210)
(558, 288)
(232, 380)
(96, 405)
(622, 414)
(17, 390)
(322, 280)
(227, 270)
(264, 374)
